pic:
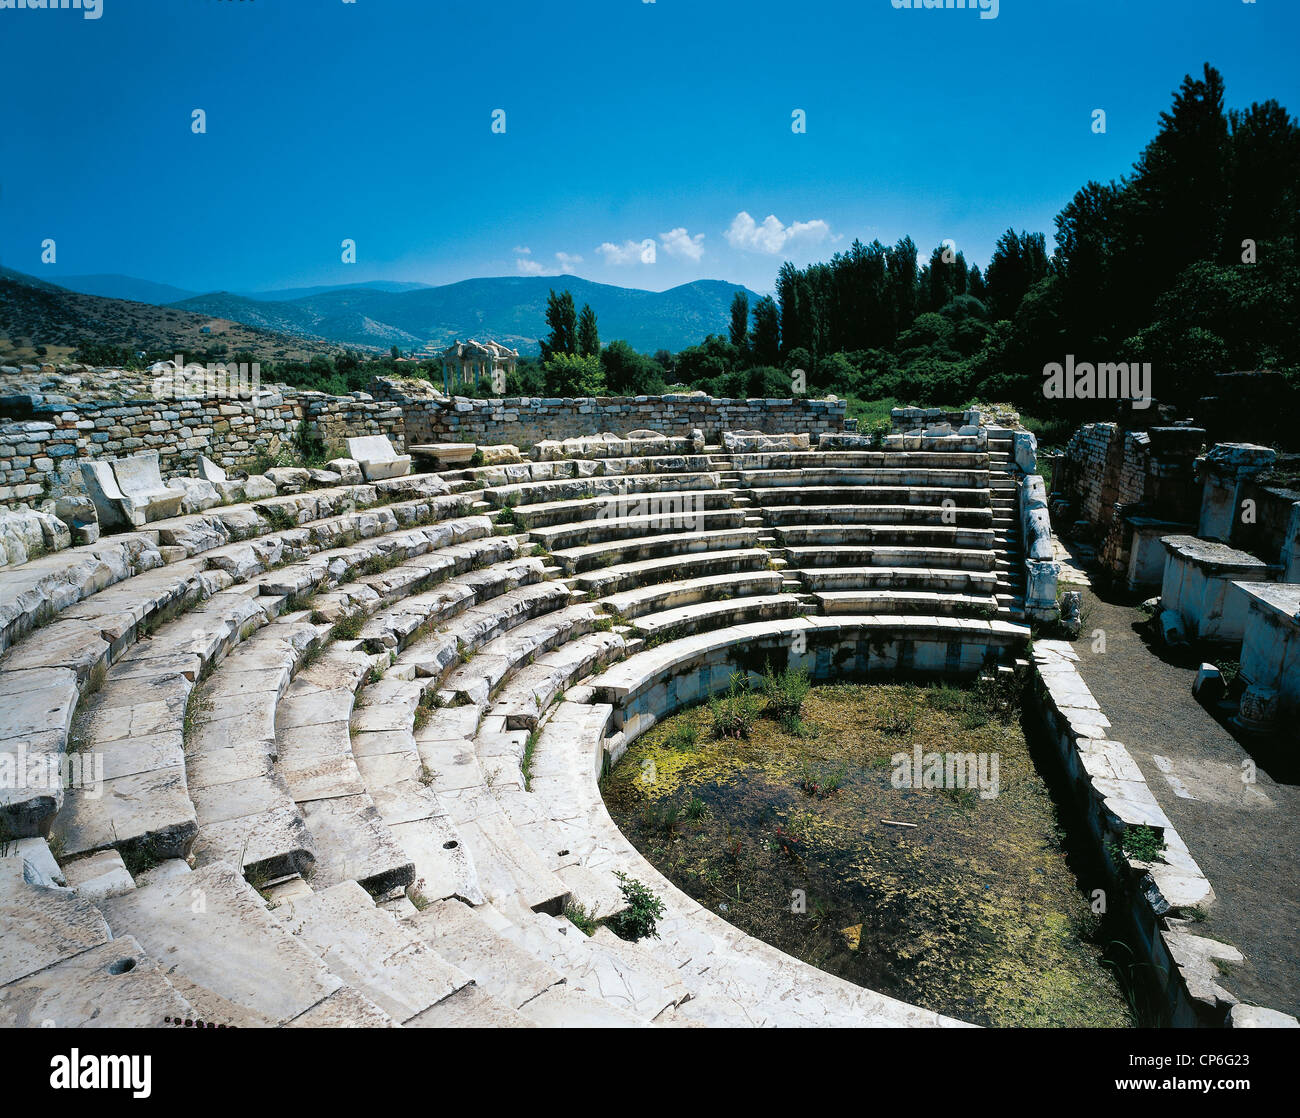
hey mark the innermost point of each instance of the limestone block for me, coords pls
(1025, 449)
(288, 479)
(209, 470)
(199, 494)
(348, 469)
(1256, 1017)
(257, 487)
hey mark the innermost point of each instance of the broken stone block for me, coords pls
(288, 479)
(199, 494)
(348, 469)
(1208, 685)
(99, 876)
(209, 470)
(257, 487)
(1171, 627)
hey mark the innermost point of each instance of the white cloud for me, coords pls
(629, 252)
(679, 243)
(772, 236)
(522, 250)
(564, 262)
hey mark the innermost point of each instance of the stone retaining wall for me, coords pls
(45, 435)
(38, 456)
(1150, 899)
(524, 421)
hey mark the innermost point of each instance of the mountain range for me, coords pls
(418, 317)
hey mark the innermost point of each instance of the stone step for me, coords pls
(577, 560)
(135, 725)
(231, 959)
(533, 688)
(949, 558)
(640, 989)
(624, 577)
(877, 515)
(246, 815)
(376, 954)
(351, 839)
(573, 489)
(673, 517)
(392, 629)
(675, 623)
(934, 603)
(821, 579)
(886, 535)
(626, 502)
(686, 592)
(443, 648)
(964, 497)
(462, 937)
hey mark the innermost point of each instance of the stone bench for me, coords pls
(962, 497)
(629, 576)
(550, 514)
(651, 684)
(672, 516)
(627, 485)
(577, 559)
(864, 460)
(917, 478)
(377, 458)
(496, 660)
(444, 456)
(885, 535)
(755, 442)
(941, 558)
(686, 592)
(671, 624)
(532, 688)
(129, 492)
(943, 580)
(933, 602)
(801, 515)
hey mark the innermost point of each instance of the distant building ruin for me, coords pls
(466, 363)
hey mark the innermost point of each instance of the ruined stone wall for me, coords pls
(528, 420)
(1108, 475)
(38, 455)
(52, 418)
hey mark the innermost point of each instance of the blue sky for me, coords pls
(625, 122)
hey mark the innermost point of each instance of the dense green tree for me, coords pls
(765, 342)
(574, 374)
(562, 320)
(588, 336)
(739, 332)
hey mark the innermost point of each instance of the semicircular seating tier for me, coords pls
(333, 758)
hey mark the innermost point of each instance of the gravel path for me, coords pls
(1245, 838)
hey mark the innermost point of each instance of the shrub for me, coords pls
(640, 919)
(785, 694)
(735, 713)
(1142, 844)
(683, 738)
